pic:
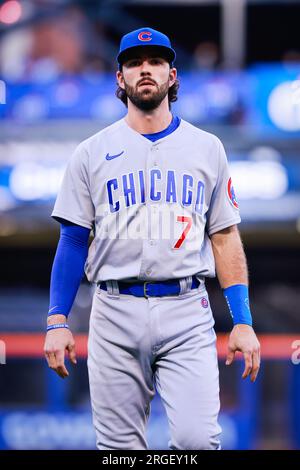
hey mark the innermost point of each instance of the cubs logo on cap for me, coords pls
(146, 37)
(231, 194)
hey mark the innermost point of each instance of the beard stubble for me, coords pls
(147, 99)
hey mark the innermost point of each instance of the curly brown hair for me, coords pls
(172, 93)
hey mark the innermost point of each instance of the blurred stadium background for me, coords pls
(239, 66)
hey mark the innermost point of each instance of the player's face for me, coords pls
(146, 78)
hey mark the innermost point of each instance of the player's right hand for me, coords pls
(56, 343)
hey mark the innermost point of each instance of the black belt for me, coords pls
(151, 288)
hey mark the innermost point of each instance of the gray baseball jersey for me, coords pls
(151, 205)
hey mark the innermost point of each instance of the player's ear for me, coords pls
(120, 79)
(172, 75)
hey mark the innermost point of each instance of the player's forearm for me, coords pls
(230, 259)
(67, 270)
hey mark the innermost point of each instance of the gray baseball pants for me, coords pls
(136, 344)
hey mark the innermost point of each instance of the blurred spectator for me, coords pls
(206, 56)
(291, 55)
(58, 42)
(290, 58)
(63, 44)
(15, 48)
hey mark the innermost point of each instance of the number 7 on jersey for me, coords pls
(187, 228)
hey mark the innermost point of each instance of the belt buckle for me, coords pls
(145, 289)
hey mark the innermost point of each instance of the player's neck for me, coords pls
(148, 122)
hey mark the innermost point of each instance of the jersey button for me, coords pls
(152, 242)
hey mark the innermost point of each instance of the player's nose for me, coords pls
(145, 66)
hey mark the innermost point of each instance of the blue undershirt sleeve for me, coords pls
(237, 298)
(68, 267)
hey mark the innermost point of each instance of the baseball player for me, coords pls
(156, 193)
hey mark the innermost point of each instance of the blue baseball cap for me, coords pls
(145, 37)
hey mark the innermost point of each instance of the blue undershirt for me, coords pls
(171, 128)
(68, 267)
(72, 250)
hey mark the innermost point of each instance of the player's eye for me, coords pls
(133, 63)
(155, 61)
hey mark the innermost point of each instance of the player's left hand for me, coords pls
(242, 338)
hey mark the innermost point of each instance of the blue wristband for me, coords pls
(237, 298)
(57, 325)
